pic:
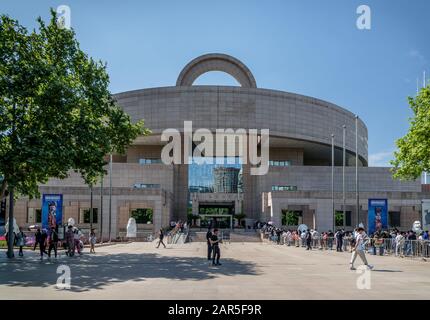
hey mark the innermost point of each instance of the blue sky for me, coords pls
(302, 46)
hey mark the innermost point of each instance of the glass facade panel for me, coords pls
(206, 175)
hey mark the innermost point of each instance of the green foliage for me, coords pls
(338, 218)
(413, 155)
(290, 218)
(142, 215)
(56, 112)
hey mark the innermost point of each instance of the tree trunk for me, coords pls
(10, 234)
(3, 190)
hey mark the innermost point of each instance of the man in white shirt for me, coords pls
(400, 242)
(359, 249)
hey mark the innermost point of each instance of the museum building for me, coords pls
(297, 188)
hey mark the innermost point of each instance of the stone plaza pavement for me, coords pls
(249, 271)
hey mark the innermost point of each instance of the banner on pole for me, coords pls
(377, 215)
(52, 211)
(426, 214)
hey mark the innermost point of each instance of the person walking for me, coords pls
(42, 243)
(37, 237)
(77, 234)
(330, 236)
(208, 240)
(93, 240)
(215, 248)
(161, 237)
(53, 241)
(400, 243)
(70, 241)
(358, 249)
(20, 241)
(308, 238)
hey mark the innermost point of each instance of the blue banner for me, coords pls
(377, 215)
(52, 211)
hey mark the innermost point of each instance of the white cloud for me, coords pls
(381, 159)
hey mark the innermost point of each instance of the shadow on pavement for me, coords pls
(96, 272)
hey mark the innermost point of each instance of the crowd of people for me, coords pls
(48, 241)
(392, 241)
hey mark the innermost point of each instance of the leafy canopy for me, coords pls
(413, 155)
(56, 112)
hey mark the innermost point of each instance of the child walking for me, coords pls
(93, 240)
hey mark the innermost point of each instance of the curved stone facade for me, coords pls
(286, 115)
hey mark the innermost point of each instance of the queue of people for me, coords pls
(382, 242)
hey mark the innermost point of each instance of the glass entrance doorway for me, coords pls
(216, 215)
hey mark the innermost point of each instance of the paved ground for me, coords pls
(249, 271)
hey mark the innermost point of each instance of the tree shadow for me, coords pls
(98, 271)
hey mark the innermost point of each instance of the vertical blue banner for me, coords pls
(52, 211)
(377, 215)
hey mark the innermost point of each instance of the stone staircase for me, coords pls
(228, 236)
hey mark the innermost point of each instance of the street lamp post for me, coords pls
(110, 195)
(357, 198)
(91, 207)
(332, 181)
(343, 172)
(101, 209)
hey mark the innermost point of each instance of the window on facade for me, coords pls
(341, 220)
(85, 216)
(146, 186)
(142, 215)
(394, 219)
(284, 188)
(279, 163)
(149, 161)
(34, 215)
(292, 217)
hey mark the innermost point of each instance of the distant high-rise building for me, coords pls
(226, 180)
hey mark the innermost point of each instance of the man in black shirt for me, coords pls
(215, 248)
(53, 241)
(208, 239)
(339, 240)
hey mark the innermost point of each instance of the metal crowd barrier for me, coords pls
(388, 246)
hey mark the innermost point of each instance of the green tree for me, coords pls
(56, 111)
(413, 155)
